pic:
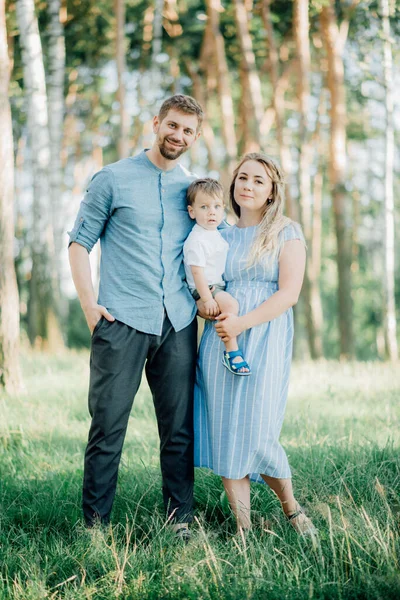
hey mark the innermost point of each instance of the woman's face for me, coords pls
(253, 187)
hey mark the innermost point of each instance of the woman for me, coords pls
(238, 419)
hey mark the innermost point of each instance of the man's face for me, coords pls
(175, 134)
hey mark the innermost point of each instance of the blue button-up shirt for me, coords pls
(139, 212)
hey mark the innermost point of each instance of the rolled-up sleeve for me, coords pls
(94, 211)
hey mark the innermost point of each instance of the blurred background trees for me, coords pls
(310, 82)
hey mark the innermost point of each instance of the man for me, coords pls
(145, 315)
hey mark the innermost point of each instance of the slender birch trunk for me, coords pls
(157, 31)
(251, 85)
(207, 131)
(301, 34)
(120, 50)
(311, 288)
(278, 103)
(42, 321)
(10, 374)
(55, 96)
(223, 83)
(334, 43)
(316, 235)
(389, 307)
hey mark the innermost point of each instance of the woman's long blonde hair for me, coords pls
(273, 220)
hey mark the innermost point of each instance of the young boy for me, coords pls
(204, 255)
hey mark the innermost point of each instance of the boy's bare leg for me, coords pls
(228, 304)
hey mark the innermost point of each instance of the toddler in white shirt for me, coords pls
(204, 257)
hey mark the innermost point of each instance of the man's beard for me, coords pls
(170, 154)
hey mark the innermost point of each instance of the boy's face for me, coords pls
(207, 210)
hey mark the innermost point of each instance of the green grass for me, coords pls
(342, 436)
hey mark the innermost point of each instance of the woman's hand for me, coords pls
(228, 326)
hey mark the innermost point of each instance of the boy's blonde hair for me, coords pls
(209, 186)
(273, 220)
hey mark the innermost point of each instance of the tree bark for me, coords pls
(311, 287)
(223, 84)
(207, 131)
(120, 50)
(10, 374)
(251, 85)
(389, 306)
(55, 95)
(334, 43)
(42, 322)
(278, 103)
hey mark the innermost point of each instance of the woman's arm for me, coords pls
(292, 264)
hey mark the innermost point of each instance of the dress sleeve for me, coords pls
(293, 232)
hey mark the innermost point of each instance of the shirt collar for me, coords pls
(150, 165)
(204, 231)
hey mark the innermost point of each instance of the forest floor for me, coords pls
(342, 436)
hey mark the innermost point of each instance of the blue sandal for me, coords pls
(234, 367)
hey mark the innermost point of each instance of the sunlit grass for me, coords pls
(342, 436)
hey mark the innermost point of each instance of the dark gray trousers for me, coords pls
(118, 356)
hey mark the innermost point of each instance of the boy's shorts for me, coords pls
(218, 288)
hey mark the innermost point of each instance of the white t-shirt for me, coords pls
(207, 249)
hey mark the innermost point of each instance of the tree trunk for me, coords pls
(278, 103)
(389, 307)
(120, 49)
(311, 288)
(42, 322)
(10, 375)
(223, 84)
(337, 173)
(208, 133)
(316, 235)
(251, 85)
(55, 96)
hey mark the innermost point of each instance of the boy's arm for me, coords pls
(201, 283)
(210, 305)
(82, 276)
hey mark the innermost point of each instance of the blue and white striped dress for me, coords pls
(237, 420)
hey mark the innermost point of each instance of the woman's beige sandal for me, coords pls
(304, 526)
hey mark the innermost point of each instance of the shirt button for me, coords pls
(163, 190)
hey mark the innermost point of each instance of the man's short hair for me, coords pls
(185, 104)
(209, 186)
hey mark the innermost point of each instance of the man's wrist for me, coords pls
(89, 305)
(207, 299)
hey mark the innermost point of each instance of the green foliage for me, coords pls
(92, 109)
(342, 439)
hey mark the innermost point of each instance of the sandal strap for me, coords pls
(295, 515)
(239, 365)
(234, 367)
(233, 354)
